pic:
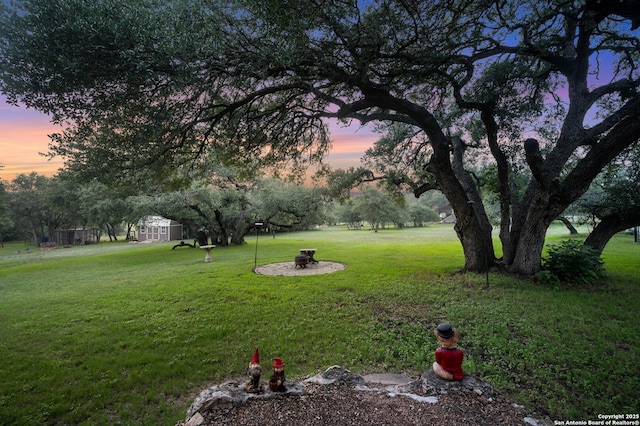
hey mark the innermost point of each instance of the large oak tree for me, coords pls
(152, 86)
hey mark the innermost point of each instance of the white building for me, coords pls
(156, 228)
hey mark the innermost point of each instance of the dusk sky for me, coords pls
(23, 135)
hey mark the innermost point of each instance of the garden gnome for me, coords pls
(254, 371)
(276, 382)
(448, 363)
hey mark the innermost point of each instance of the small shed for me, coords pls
(70, 237)
(157, 228)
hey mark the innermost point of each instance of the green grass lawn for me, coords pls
(119, 333)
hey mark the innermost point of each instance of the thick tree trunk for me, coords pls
(607, 228)
(111, 231)
(198, 235)
(568, 224)
(472, 224)
(34, 233)
(201, 238)
(540, 205)
(223, 240)
(240, 229)
(129, 229)
(529, 228)
(472, 227)
(527, 258)
(477, 245)
(237, 239)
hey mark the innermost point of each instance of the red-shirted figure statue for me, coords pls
(448, 363)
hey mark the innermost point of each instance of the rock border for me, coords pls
(290, 269)
(432, 386)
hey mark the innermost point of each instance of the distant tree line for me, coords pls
(221, 211)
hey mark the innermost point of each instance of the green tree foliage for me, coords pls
(153, 87)
(614, 199)
(289, 206)
(198, 208)
(39, 205)
(29, 207)
(104, 207)
(421, 214)
(378, 208)
(141, 89)
(227, 213)
(348, 214)
(6, 224)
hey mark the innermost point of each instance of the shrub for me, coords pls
(572, 262)
(547, 278)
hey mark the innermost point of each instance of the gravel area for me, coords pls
(344, 405)
(290, 269)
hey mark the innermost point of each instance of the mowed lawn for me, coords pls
(119, 333)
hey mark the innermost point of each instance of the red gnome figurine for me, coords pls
(254, 371)
(276, 382)
(448, 363)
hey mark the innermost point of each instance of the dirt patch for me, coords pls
(290, 269)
